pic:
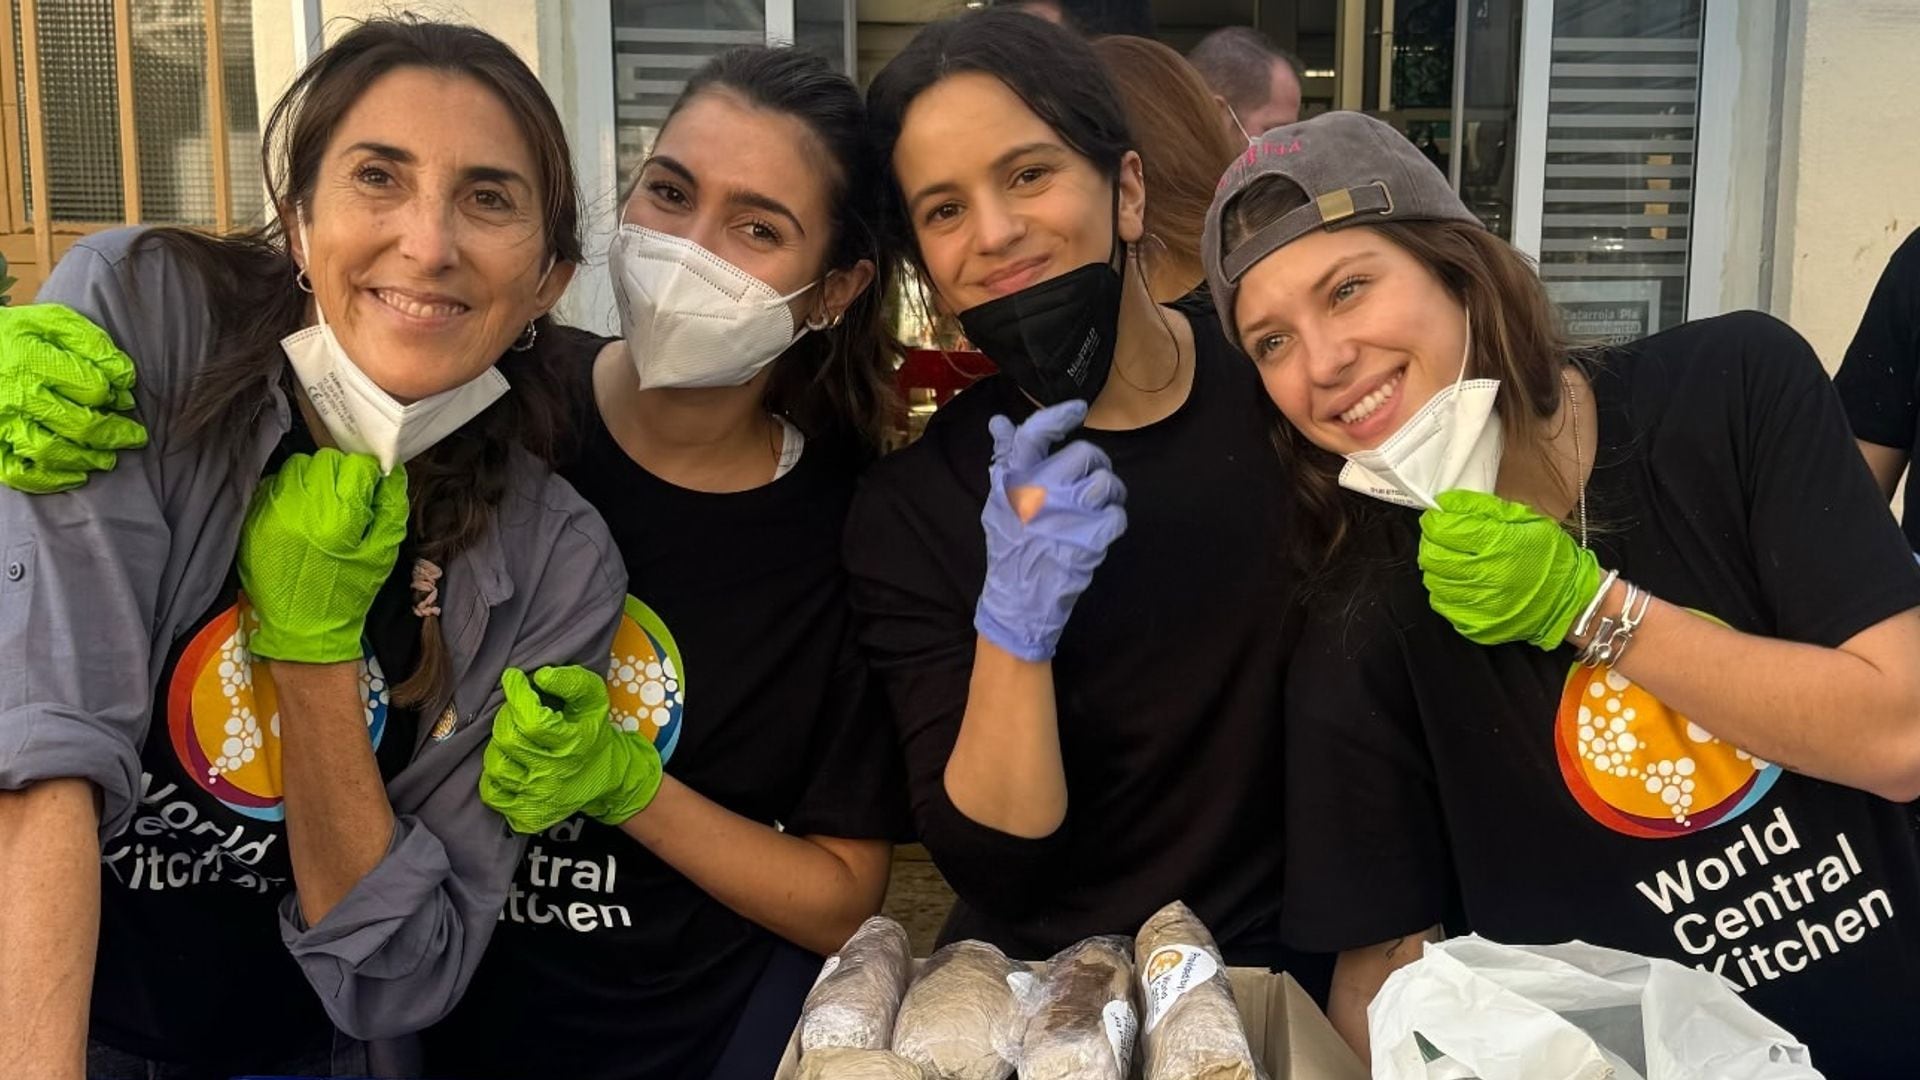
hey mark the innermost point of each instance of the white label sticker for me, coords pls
(1171, 972)
(1122, 1027)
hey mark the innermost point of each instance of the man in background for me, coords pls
(1255, 82)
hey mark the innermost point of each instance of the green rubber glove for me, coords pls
(319, 540)
(543, 765)
(63, 384)
(1499, 571)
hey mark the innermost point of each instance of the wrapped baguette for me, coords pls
(1080, 1019)
(858, 995)
(838, 1063)
(1192, 1028)
(955, 1019)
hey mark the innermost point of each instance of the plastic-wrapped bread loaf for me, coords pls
(1080, 1021)
(1191, 1028)
(855, 1002)
(838, 1063)
(954, 1021)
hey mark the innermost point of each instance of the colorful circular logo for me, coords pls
(1642, 769)
(223, 715)
(647, 683)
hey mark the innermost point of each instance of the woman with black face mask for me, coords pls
(1088, 695)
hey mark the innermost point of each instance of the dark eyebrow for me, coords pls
(738, 197)
(999, 163)
(498, 174)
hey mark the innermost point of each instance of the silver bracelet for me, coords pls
(1580, 628)
(1629, 622)
(1596, 653)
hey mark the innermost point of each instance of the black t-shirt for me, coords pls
(736, 657)
(1880, 378)
(1168, 678)
(191, 967)
(1563, 802)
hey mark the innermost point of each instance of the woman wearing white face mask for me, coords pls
(242, 740)
(1637, 665)
(669, 926)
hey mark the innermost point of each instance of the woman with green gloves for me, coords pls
(247, 675)
(1614, 645)
(669, 922)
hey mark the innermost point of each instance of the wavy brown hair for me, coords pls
(455, 487)
(1516, 339)
(1183, 150)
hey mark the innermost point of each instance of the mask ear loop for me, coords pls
(1453, 429)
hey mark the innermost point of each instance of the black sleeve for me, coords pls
(918, 635)
(1831, 560)
(855, 788)
(1877, 378)
(1367, 857)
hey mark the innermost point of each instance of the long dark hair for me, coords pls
(1049, 68)
(1516, 339)
(249, 278)
(838, 380)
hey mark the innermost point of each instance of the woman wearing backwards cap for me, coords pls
(1620, 648)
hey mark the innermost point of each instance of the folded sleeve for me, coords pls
(82, 572)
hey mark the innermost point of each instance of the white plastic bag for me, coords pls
(1470, 1007)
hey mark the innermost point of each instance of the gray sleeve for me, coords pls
(396, 953)
(81, 572)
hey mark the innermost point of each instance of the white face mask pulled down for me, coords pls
(364, 419)
(691, 318)
(1452, 442)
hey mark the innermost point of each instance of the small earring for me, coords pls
(527, 338)
(821, 321)
(302, 281)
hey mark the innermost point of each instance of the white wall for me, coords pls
(1849, 163)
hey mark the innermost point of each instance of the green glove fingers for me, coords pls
(1500, 572)
(319, 540)
(62, 384)
(32, 477)
(545, 764)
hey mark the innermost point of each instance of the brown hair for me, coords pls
(1516, 339)
(1183, 150)
(455, 487)
(839, 379)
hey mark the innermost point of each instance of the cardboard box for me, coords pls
(1287, 1031)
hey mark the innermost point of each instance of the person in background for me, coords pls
(1614, 644)
(1256, 84)
(1182, 153)
(1091, 720)
(248, 674)
(1879, 380)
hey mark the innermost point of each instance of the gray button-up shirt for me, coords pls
(96, 585)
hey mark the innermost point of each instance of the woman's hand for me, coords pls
(1499, 571)
(543, 765)
(320, 539)
(63, 388)
(1049, 519)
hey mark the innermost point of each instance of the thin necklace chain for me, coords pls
(1573, 407)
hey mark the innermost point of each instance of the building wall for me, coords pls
(1849, 163)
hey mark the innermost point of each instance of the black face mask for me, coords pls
(1055, 338)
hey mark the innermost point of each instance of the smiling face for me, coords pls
(1351, 335)
(997, 199)
(423, 239)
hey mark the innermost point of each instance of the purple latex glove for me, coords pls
(1040, 558)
